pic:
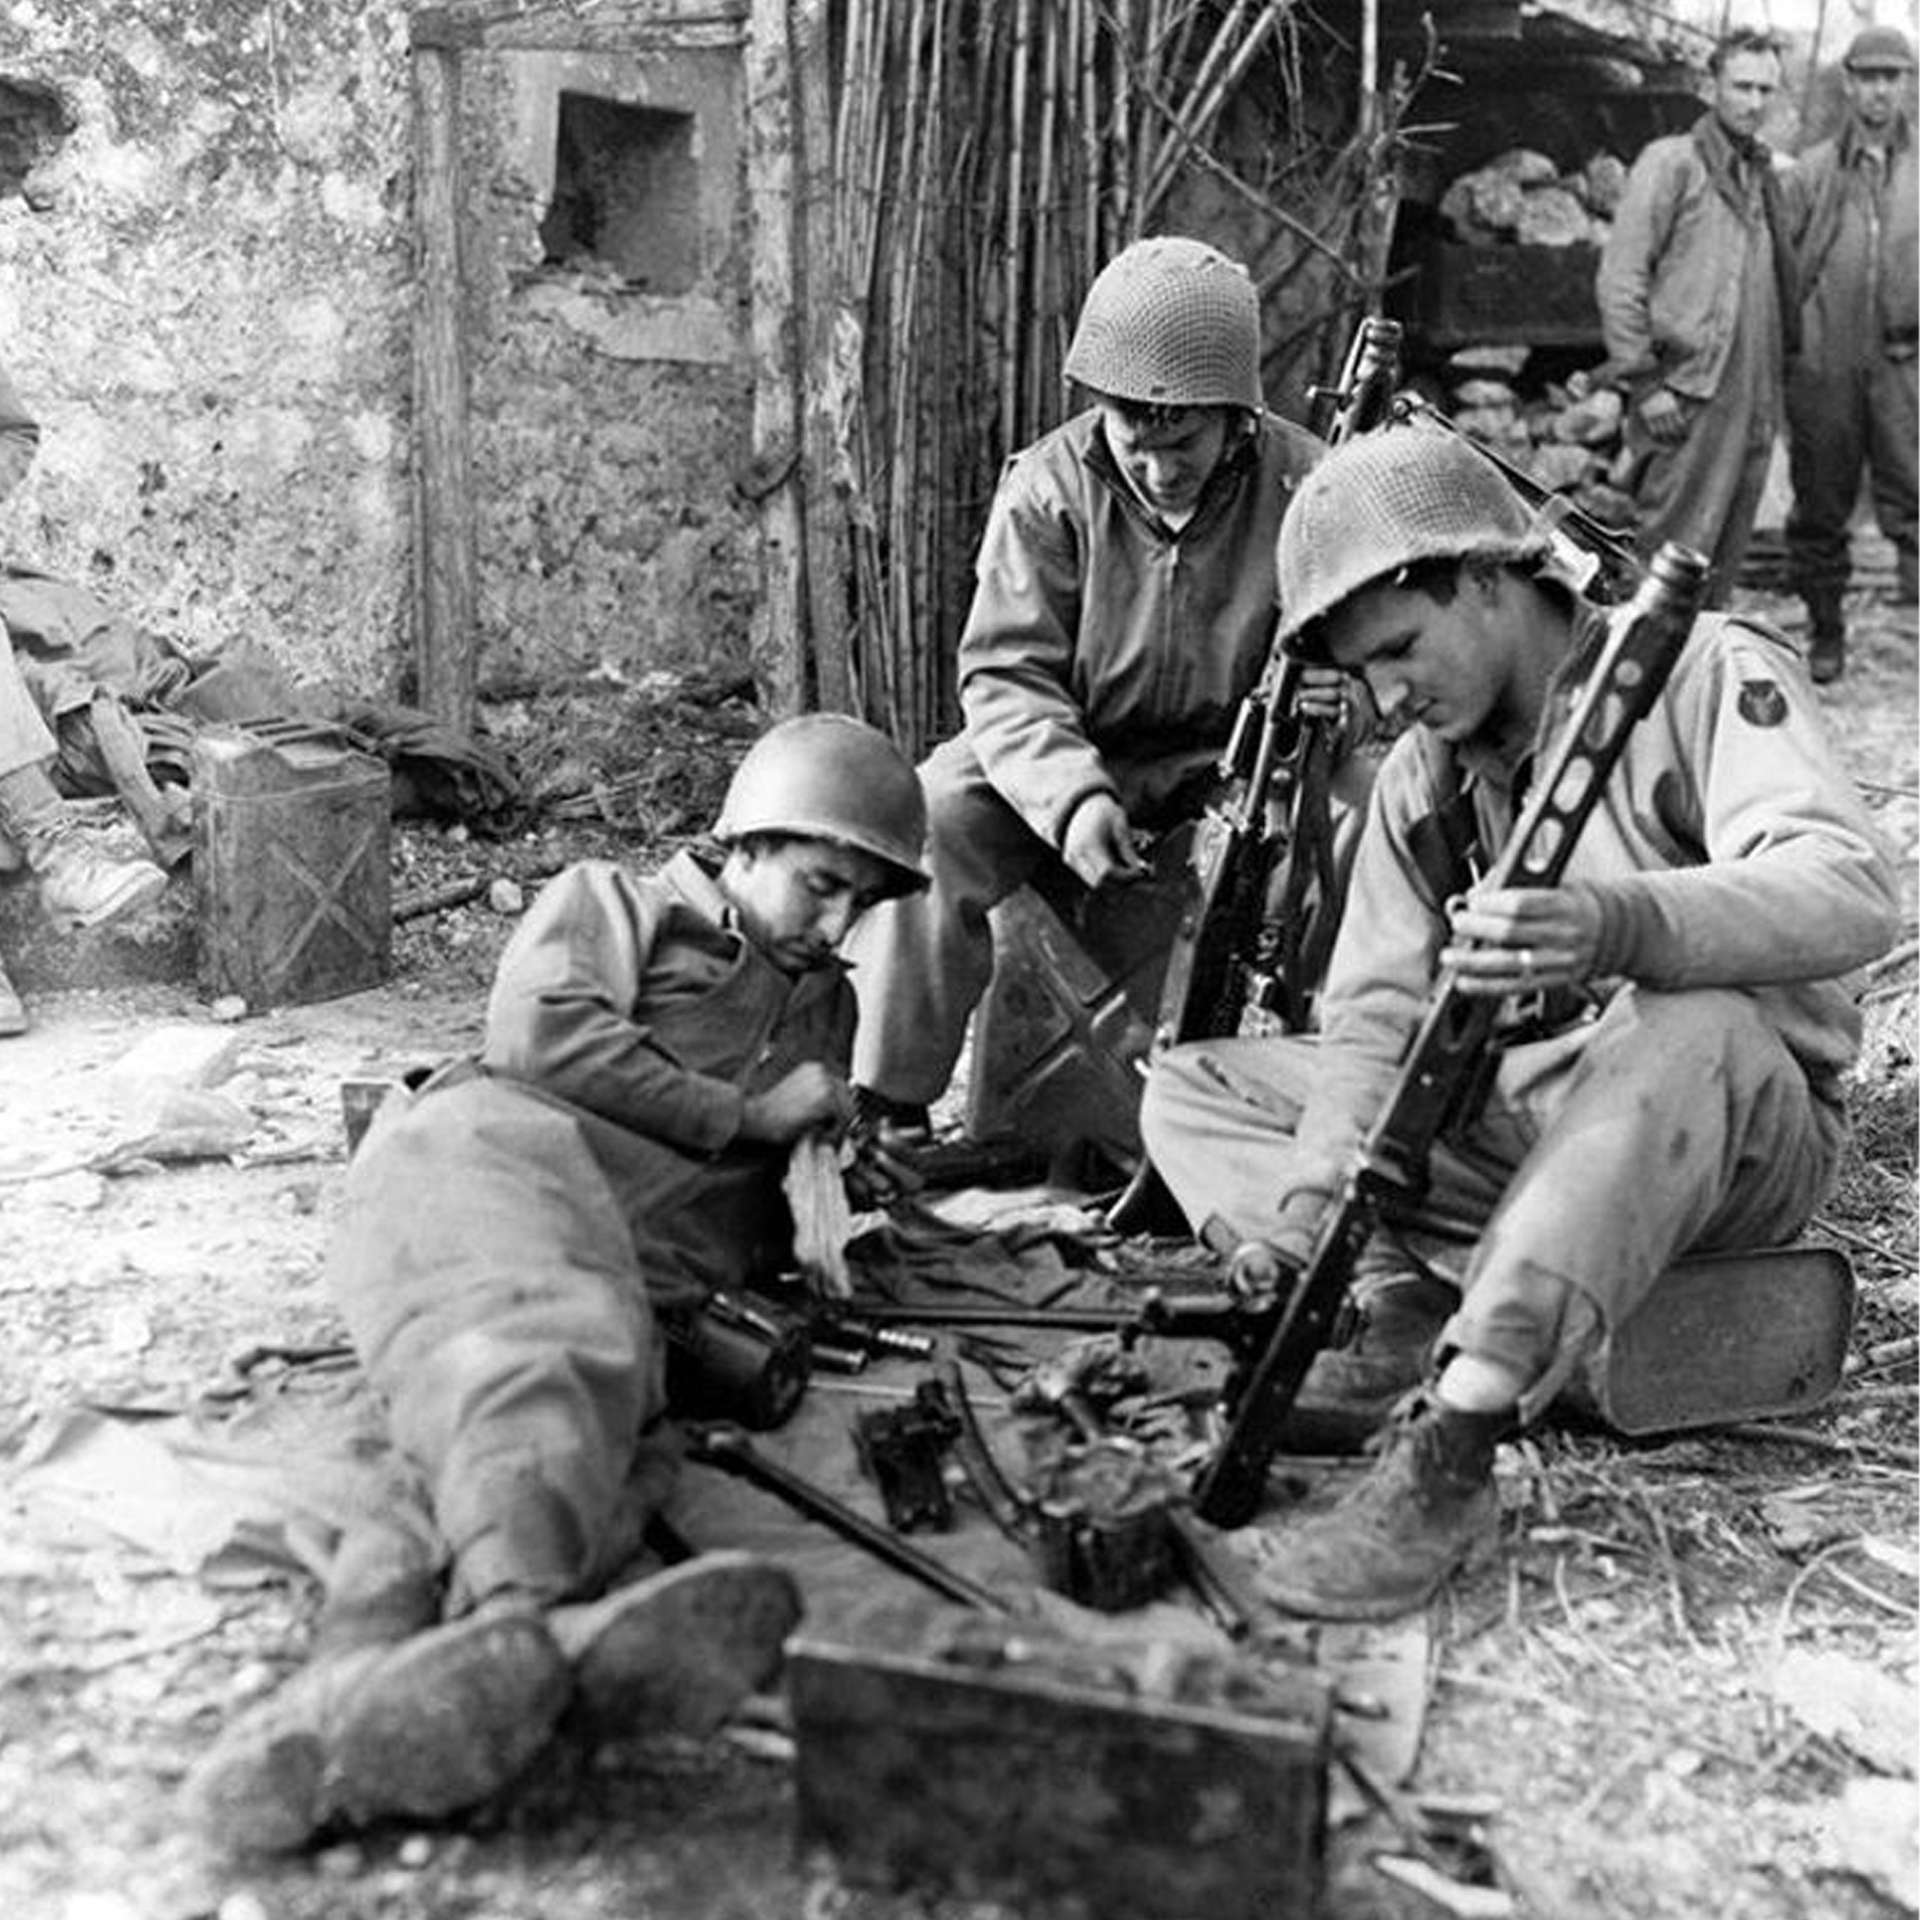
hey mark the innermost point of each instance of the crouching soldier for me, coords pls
(1669, 1078)
(511, 1235)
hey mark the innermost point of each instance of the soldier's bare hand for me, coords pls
(1522, 939)
(1325, 693)
(1258, 1270)
(1663, 415)
(808, 1096)
(1099, 847)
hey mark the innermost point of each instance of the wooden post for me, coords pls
(829, 559)
(445, 592)
(779, 628)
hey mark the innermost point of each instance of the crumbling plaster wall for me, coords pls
(206, 297)
(611, 425)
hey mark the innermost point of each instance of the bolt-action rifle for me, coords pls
(1262, 901)
(1443, 1072)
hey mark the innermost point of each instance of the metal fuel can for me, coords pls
(291, 865)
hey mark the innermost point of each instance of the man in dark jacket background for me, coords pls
(1690, 293)
(1855, 223)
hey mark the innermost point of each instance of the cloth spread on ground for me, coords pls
(255, 1483)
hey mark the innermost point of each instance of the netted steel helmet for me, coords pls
(1384, 500)
(1170, 323)
(827, 776)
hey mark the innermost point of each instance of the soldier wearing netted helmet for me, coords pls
(1673, 1027)
(1123, 608)
(516, 1234)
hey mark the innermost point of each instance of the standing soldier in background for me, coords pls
(1698, 318)
(1123, 609)
(1855, 221)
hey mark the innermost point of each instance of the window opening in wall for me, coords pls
(34, 119)
(625, 194)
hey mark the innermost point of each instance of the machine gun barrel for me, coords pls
(1442, 1063)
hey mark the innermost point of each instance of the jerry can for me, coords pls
(1060, 1040)
(291, 862)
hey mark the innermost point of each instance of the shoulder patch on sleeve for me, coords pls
(1762, 703)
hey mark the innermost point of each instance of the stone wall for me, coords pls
(205, 294)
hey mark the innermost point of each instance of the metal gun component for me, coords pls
(1103, 1530)
(904, 1450)
(736, 1358)
(729, 1447)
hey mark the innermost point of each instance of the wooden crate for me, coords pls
(1023, 1784)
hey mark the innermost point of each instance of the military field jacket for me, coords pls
(1731, 850)
(1105, 651)
(632, 998)
(1857, 242)
(1674, 264)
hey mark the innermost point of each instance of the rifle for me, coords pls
(1606, 566)
(1254, 932)
(1442, 1073)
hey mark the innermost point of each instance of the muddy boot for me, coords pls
(1827, 635)
(679, 1651)
(13, 1012)
(440, 1722)
(78, 887)
(1350, 1390)
(263, 1786)
(1388, 1544)
(448, 1719)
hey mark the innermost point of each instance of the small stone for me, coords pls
(415, 1850)
(243, 1906)
(506, 897)
(229, 1007)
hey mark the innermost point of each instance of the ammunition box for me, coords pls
(1061, 1786)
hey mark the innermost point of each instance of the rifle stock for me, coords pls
(1443, 1061)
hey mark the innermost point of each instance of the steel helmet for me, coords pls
(1170, 323)
(827, 776)
(1386, 499)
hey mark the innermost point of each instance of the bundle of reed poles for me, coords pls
(988, 157)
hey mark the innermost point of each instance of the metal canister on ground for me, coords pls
(292, 866)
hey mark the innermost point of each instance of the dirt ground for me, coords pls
(1687, 1685)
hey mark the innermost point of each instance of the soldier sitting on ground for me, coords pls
(511, 1236)
(1122, 611)
(79, 885)
(1669, 1077)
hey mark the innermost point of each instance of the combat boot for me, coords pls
(1827, 631)
(1350, 1390)
(447, 1719)
(1387, 1545)
(678, 1652)
(13, 1012)
(441, 1721)
(83, 888)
